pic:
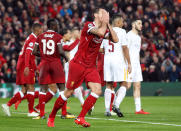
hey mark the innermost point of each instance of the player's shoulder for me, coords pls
(130, 33)
(88, 24)
(120, 30)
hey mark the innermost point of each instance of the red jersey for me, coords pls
(89, 46)
(26, 58)
(48, 45)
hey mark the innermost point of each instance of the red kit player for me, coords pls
(83, 66)
(48, 47)
(26, 73)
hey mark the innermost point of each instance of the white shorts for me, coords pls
(115, 69)
(66, 68)
(136, 74)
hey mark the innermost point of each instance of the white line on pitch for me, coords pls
(143, 122)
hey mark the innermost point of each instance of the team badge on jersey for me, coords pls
(90, 25)
(31, 44)
(72, 83)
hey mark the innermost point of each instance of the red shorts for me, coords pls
(78, 73)
(101, 73)
(51, 72)
(21, 79)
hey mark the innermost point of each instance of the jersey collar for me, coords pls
(34, 35)
(50, 31)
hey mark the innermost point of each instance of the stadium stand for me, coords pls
(161, 36)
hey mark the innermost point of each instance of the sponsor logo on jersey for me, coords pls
(49, 35)
(72, 83)
(97, 40)
(31, 44)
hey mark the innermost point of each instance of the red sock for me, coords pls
(49, 96)
(112, 100)
(30, 99)
(14, 99)
(88, 104)
(42, 98)
(36, 94)
(64, 109)
(58, 104)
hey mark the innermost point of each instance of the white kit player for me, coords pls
(134, 45)
(71, 46)
(116, 66)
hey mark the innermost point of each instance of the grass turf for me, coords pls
(165, 110)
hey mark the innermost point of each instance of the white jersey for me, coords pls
(113, 49)
(114, 62)
(134, 46)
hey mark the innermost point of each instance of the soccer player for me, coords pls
(83, 66)
(26, 73)
(72, 40)
(116, 62)
(134, 45)
(48, 47)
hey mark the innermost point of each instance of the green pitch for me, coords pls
(166, 115)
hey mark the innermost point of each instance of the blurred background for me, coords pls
(161, 34)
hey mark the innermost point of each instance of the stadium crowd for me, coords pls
(161, 36)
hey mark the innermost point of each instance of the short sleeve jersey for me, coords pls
(48, 45)
(113, 49)
(134, 45)
(89, 46)
(28, 45)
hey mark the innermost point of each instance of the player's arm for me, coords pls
(27, 60)
(36, 50)
(71, 46)
(127, 57)
(112, 34)
(62, 53)
(126, 50)
(99, 31)
(101, 50)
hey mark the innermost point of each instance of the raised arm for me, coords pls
(100, 30)
(112, 34)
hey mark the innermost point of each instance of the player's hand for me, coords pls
(37, 72)
(26, 71)
(105, 16)
(129, 68)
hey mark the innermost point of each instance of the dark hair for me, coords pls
(75, 28)
(51, 22)
(96, 10)
(115, 17)
(64, 31)
(36, 25)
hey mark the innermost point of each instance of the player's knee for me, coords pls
(99, 92)
(68, 93)
(137, 87)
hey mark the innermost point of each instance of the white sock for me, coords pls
(120, 96)
(107, 97)
(137, 102)
(63, 96)
(78, 94)
(21, 94)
